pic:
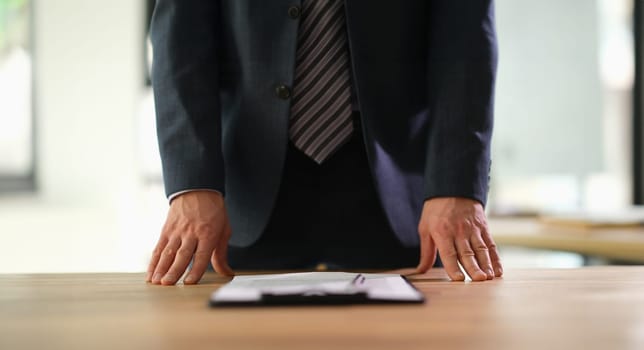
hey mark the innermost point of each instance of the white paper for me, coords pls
(249, 288)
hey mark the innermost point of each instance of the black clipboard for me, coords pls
(320, 297)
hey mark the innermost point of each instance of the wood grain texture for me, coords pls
(590, 308)
(619, 243)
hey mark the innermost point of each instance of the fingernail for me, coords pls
(189, 279)
(490, 273)
(460, 275)
(157, 278)
(168, 278)
(499, 271)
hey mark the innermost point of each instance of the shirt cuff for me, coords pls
(176, 194)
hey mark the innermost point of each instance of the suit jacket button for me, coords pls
(294, 12)
(283, 92)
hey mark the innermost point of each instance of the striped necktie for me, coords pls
(320, 121)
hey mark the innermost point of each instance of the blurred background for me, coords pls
(80, 179)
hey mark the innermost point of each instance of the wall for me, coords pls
(88, 84)
(549, 106)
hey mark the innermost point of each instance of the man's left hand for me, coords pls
(457, 228)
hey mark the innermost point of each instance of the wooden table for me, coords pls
(590, 308)
(623, 244)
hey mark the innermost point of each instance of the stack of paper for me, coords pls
(316, 288)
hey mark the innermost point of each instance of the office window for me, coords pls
(563, 107)
(16, 144)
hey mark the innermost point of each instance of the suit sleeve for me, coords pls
(462, 68)
(186, 93)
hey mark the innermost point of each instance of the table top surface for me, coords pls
(589, 308)
(619, 243)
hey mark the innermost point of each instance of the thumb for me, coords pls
(220, 255)
(427, 253)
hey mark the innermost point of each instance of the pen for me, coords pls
(358, 280)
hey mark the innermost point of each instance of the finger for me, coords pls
(200, 263)
(449, 257)
(493, 251)
(156, 255)
(220, 255)
(427, 253)
(181, 261)
(482, 255)
(468, 259)
(167, 257)
(220, 261)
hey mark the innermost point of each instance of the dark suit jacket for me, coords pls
(423, 70)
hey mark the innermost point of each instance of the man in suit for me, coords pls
(350, 133)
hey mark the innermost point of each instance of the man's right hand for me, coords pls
(197, 226)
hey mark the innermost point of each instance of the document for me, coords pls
(316, 288)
